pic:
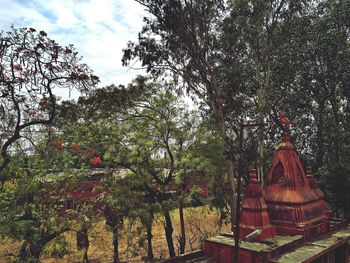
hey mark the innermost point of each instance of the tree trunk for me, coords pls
(83, 242)
(182, 238)
(233, 197)
(147, 221)
(115, 231)
(337, 139)
(168, 227)
(260, 161)
(30, 252)
(261, 99)
(263, 108)
(320, 137)
(229, 162)
(260, 165)
(149, 242)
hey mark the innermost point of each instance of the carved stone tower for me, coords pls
(294, 207)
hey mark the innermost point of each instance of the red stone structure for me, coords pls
(286, 222)
(314, 187)
(89, 189)
(254, 211)
(84, 192)
(294, 207)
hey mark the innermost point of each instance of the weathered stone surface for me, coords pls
(293, 206)
(254, 211)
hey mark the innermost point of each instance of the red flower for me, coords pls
(58, 144)
(32, 113)
(87, 154)
(76, 147)
(284, 119)
(17, 67)
(32, 29)
(96, 160)
(42, 103)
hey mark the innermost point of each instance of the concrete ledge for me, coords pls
(193, 256)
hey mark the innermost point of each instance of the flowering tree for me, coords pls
(31, 66)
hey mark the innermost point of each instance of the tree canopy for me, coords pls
(32, 66)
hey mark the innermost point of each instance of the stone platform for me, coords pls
(281, 249)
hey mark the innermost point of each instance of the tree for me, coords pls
(309, 76)
(135, 136)
(83, 215)
(326, 78)
(150, 135)
(201, 162)
(312, 73)
(32, 66)
(262, 24)
(123, 191)
(156, 129)
(184, 37)
(29, 211)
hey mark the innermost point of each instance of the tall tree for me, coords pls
(31, 67)
(183, 37)
(157, 129)
(261, 24)
(319, 69)
(147, 134)
(123, 192)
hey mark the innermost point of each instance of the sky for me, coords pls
(99, 29)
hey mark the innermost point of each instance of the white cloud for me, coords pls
(15, 13)
(99, 29)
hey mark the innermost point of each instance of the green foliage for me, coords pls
(335, 181)
(147, 143)
(57, 248)
(27, 214)
(194, 198)
(262, 57)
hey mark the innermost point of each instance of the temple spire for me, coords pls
(294, 206)
(254, 215)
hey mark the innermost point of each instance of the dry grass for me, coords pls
(200, 223)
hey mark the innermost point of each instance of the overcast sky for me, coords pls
(99, 29)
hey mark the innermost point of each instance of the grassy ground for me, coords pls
(200, 223)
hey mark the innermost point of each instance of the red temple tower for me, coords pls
(294, 207)
(254, 211)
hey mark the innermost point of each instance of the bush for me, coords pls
(58, 248)
(194, 198)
